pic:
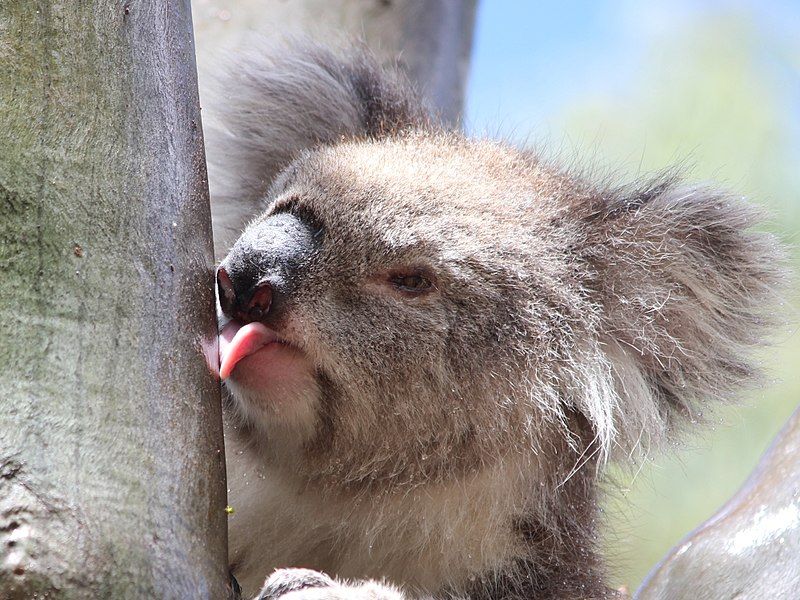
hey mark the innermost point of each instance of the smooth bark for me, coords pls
(751, 547)
(112, 481)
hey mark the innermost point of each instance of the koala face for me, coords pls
(413, 307)
(388, 288)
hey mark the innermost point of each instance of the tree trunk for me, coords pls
(751, 547)
(112, 481)
(430, 40)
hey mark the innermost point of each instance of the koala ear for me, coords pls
(276, 100)
(685, 289)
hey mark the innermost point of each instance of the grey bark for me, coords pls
(112, 481)
(751, 548)
(430, 40)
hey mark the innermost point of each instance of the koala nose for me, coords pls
(244, 305)
(259, 279)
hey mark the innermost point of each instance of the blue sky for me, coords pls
(531, 59)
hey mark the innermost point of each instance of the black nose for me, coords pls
(259, 278)
(245, 305)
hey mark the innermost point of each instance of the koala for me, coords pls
(433, 344)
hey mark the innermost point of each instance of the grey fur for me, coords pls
(452, 441)
(296, 100)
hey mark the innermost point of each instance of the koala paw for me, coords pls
(305, 584)
(286, 581)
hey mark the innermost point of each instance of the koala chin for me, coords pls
(433, 343)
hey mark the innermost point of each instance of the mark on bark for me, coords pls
(9, 468)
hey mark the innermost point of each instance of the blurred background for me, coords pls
(631, 87)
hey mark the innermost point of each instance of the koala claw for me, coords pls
(305, 584)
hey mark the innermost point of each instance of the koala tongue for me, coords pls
(237, 341)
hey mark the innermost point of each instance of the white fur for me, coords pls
(424, 539)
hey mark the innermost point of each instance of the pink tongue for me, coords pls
(237, 342)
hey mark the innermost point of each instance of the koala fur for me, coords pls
(463, 336)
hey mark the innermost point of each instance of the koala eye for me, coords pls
(413, 282)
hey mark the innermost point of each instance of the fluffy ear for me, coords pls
(274, 101)
(685, 289)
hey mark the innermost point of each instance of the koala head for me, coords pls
(412, 305)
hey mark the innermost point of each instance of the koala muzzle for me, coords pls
(263, 269)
